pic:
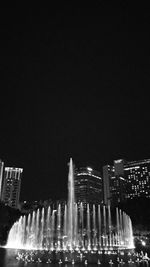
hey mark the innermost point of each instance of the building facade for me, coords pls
(108, 183)
(126, 180)
(114, 183)
(1, 177)
(88, 186)
(11, 186)
(137, 174)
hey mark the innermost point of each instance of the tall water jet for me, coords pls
(71, 203)
(48, 230)
(109, 225)
(88, 228)
(99, 225)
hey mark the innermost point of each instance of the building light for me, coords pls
(118, 161)
(121, 178)
(143, 243)
(130, 168)
(89, 169)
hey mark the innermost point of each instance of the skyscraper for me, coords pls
(11, 186)
(114, 183)
(88, 186)
(126, 180)
(1, 176)
(108, 182)
(137, 174)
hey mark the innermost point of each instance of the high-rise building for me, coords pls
(137, 174)
(114, 183)
(126, 180)
(108, 183)
(1, 176)
(11, 186)
(88, 186)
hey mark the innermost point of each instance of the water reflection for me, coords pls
(8, 259)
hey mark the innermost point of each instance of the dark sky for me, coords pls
(75, 82)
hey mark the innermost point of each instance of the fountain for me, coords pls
(75, 228)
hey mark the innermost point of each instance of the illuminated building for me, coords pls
(11, 186)
(114, 183)
(88, 186)
(126, 180)
(108, 178)
(137, 174)
(1, 176)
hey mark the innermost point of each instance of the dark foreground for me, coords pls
(20, 258)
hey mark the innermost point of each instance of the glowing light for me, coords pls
(143, 243)
(118, 161)
(121, 178)
(89, 169)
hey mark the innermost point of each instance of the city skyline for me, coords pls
(74, 84)
(112, 184)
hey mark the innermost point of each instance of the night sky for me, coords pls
(74, 83)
